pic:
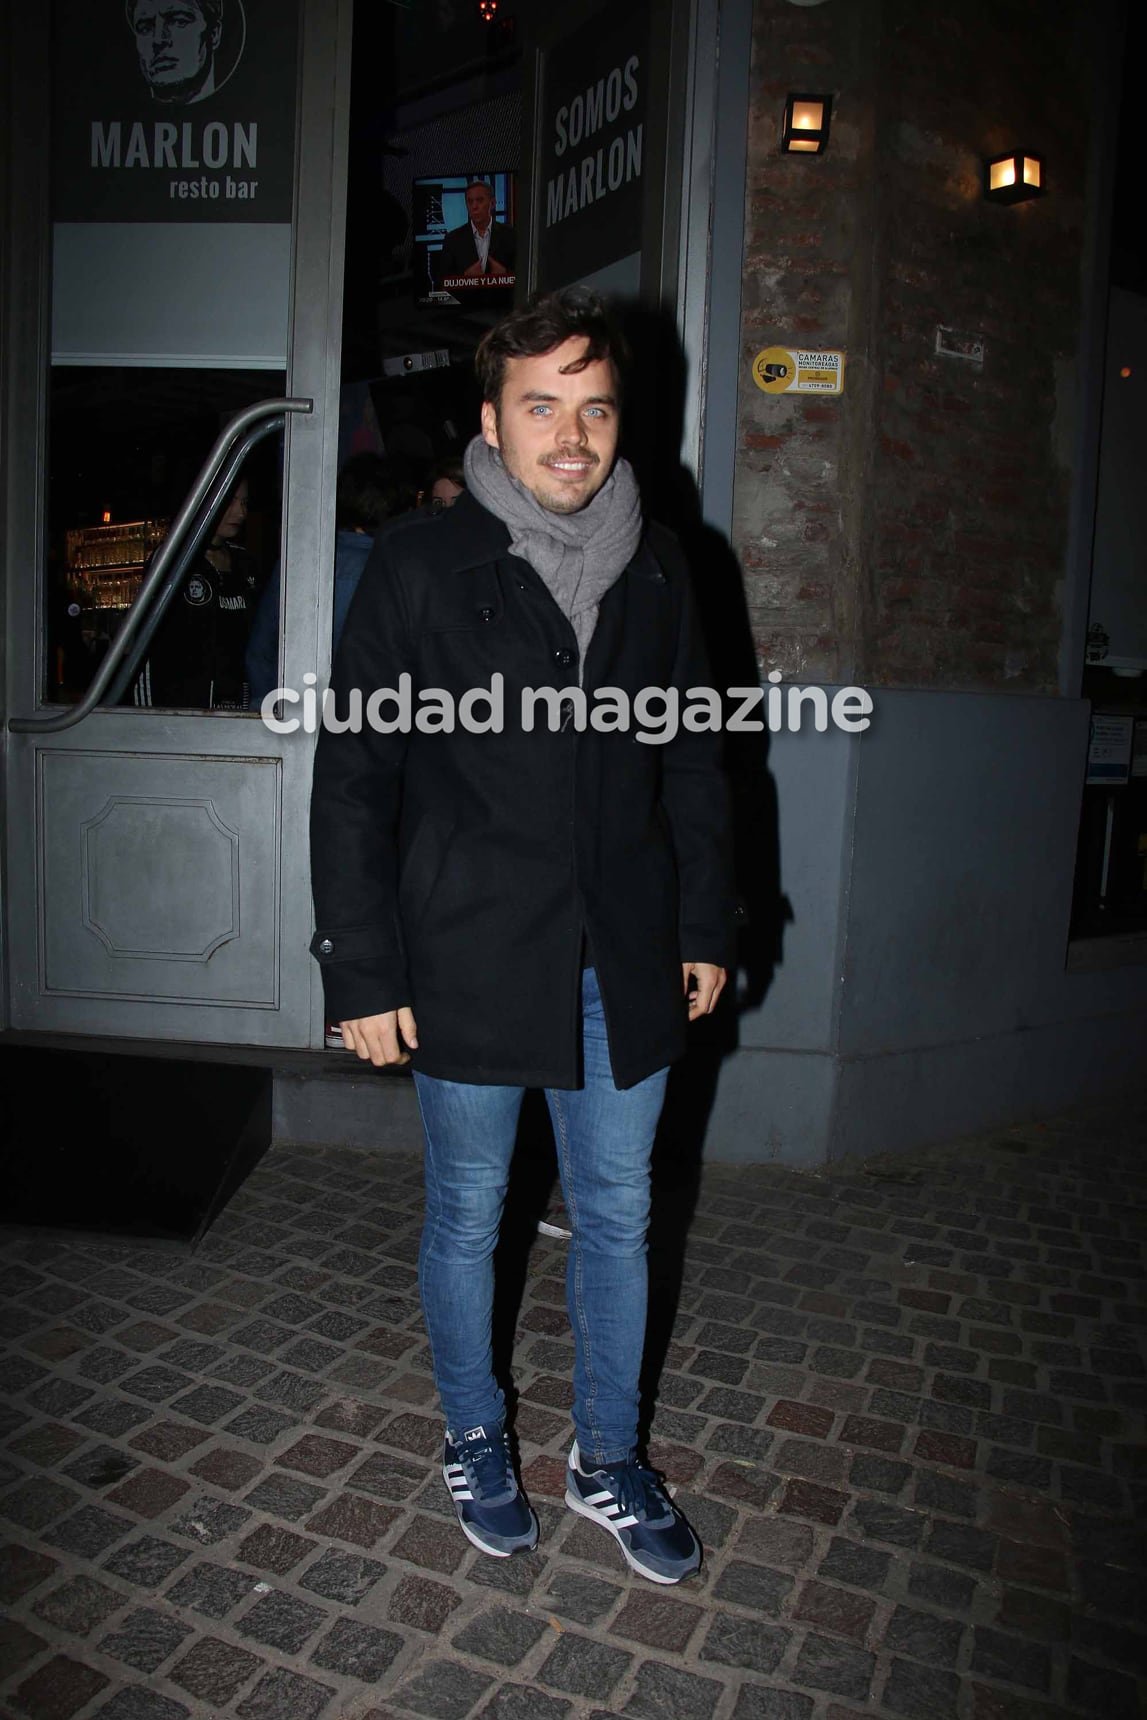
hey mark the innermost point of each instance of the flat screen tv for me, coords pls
(439, 209)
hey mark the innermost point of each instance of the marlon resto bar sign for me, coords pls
(592, 152)
(173, 161)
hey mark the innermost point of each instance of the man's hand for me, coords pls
(375, 1038)
(493, 268)
(710, 984)
(475, 268)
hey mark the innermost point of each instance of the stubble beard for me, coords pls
(559, 502)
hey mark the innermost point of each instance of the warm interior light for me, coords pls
(107, 518)
(806, 121)
(808, 116)
(1126, 371)
(1013, 178)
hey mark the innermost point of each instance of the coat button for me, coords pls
(485, 615)
(326, 948)
(565, 659)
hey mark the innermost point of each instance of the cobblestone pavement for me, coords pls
(903, 1404)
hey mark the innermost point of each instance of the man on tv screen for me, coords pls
(483, 246)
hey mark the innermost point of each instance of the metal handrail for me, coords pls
(198, 534)
(156, 573)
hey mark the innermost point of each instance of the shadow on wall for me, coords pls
(653, 419)
(653, 415)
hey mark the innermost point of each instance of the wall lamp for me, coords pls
(1014, 178)
(805, 130)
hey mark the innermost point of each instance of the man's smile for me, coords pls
(575, 466)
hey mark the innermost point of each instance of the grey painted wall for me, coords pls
(814, 777)
(964, 846)
(924, 991)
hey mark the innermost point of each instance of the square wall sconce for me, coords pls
(1014, 178)
(805, 129)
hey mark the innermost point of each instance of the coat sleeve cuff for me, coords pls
(702, 941)
(353, 990)
(363, 971)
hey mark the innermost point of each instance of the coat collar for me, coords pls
(469, 535)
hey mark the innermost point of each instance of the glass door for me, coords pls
(176, 203)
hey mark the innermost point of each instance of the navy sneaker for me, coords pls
(479, 1474)
(631, 1503)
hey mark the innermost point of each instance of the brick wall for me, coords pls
(913, 531)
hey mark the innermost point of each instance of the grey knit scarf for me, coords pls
(579, 556)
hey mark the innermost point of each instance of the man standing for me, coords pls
(552, 903)
(483, 246)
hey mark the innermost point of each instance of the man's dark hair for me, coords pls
(545, 322)
(369, 491)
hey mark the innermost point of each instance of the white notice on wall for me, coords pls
(1109, 750)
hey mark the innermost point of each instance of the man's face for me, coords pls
(556, 433)
(479, 204)
(173, 42)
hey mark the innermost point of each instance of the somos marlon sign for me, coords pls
(593, 145)
(170, 114)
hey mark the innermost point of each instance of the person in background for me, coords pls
(195, 661)
(449, 482)
(369, 492)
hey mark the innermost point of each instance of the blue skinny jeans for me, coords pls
(604, 1137)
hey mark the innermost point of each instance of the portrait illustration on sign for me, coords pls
(187, 49)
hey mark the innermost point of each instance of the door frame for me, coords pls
(308, 537)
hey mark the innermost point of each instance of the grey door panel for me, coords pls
(122, 839)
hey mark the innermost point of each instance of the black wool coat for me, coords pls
(463, 874)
